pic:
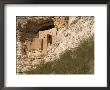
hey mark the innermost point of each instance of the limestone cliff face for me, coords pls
(71, 31)
(61, 21)
(79, 29)
(40, 23)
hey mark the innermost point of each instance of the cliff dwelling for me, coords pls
(37, 33)
(54, 44)
(45, 38)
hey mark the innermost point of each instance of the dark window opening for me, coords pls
(41, 44)
(49, 39)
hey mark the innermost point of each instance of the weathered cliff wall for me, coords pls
(67, 32)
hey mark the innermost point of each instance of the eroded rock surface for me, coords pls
(69, 33)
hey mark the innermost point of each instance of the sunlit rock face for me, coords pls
(79, 29)
(45, 38)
